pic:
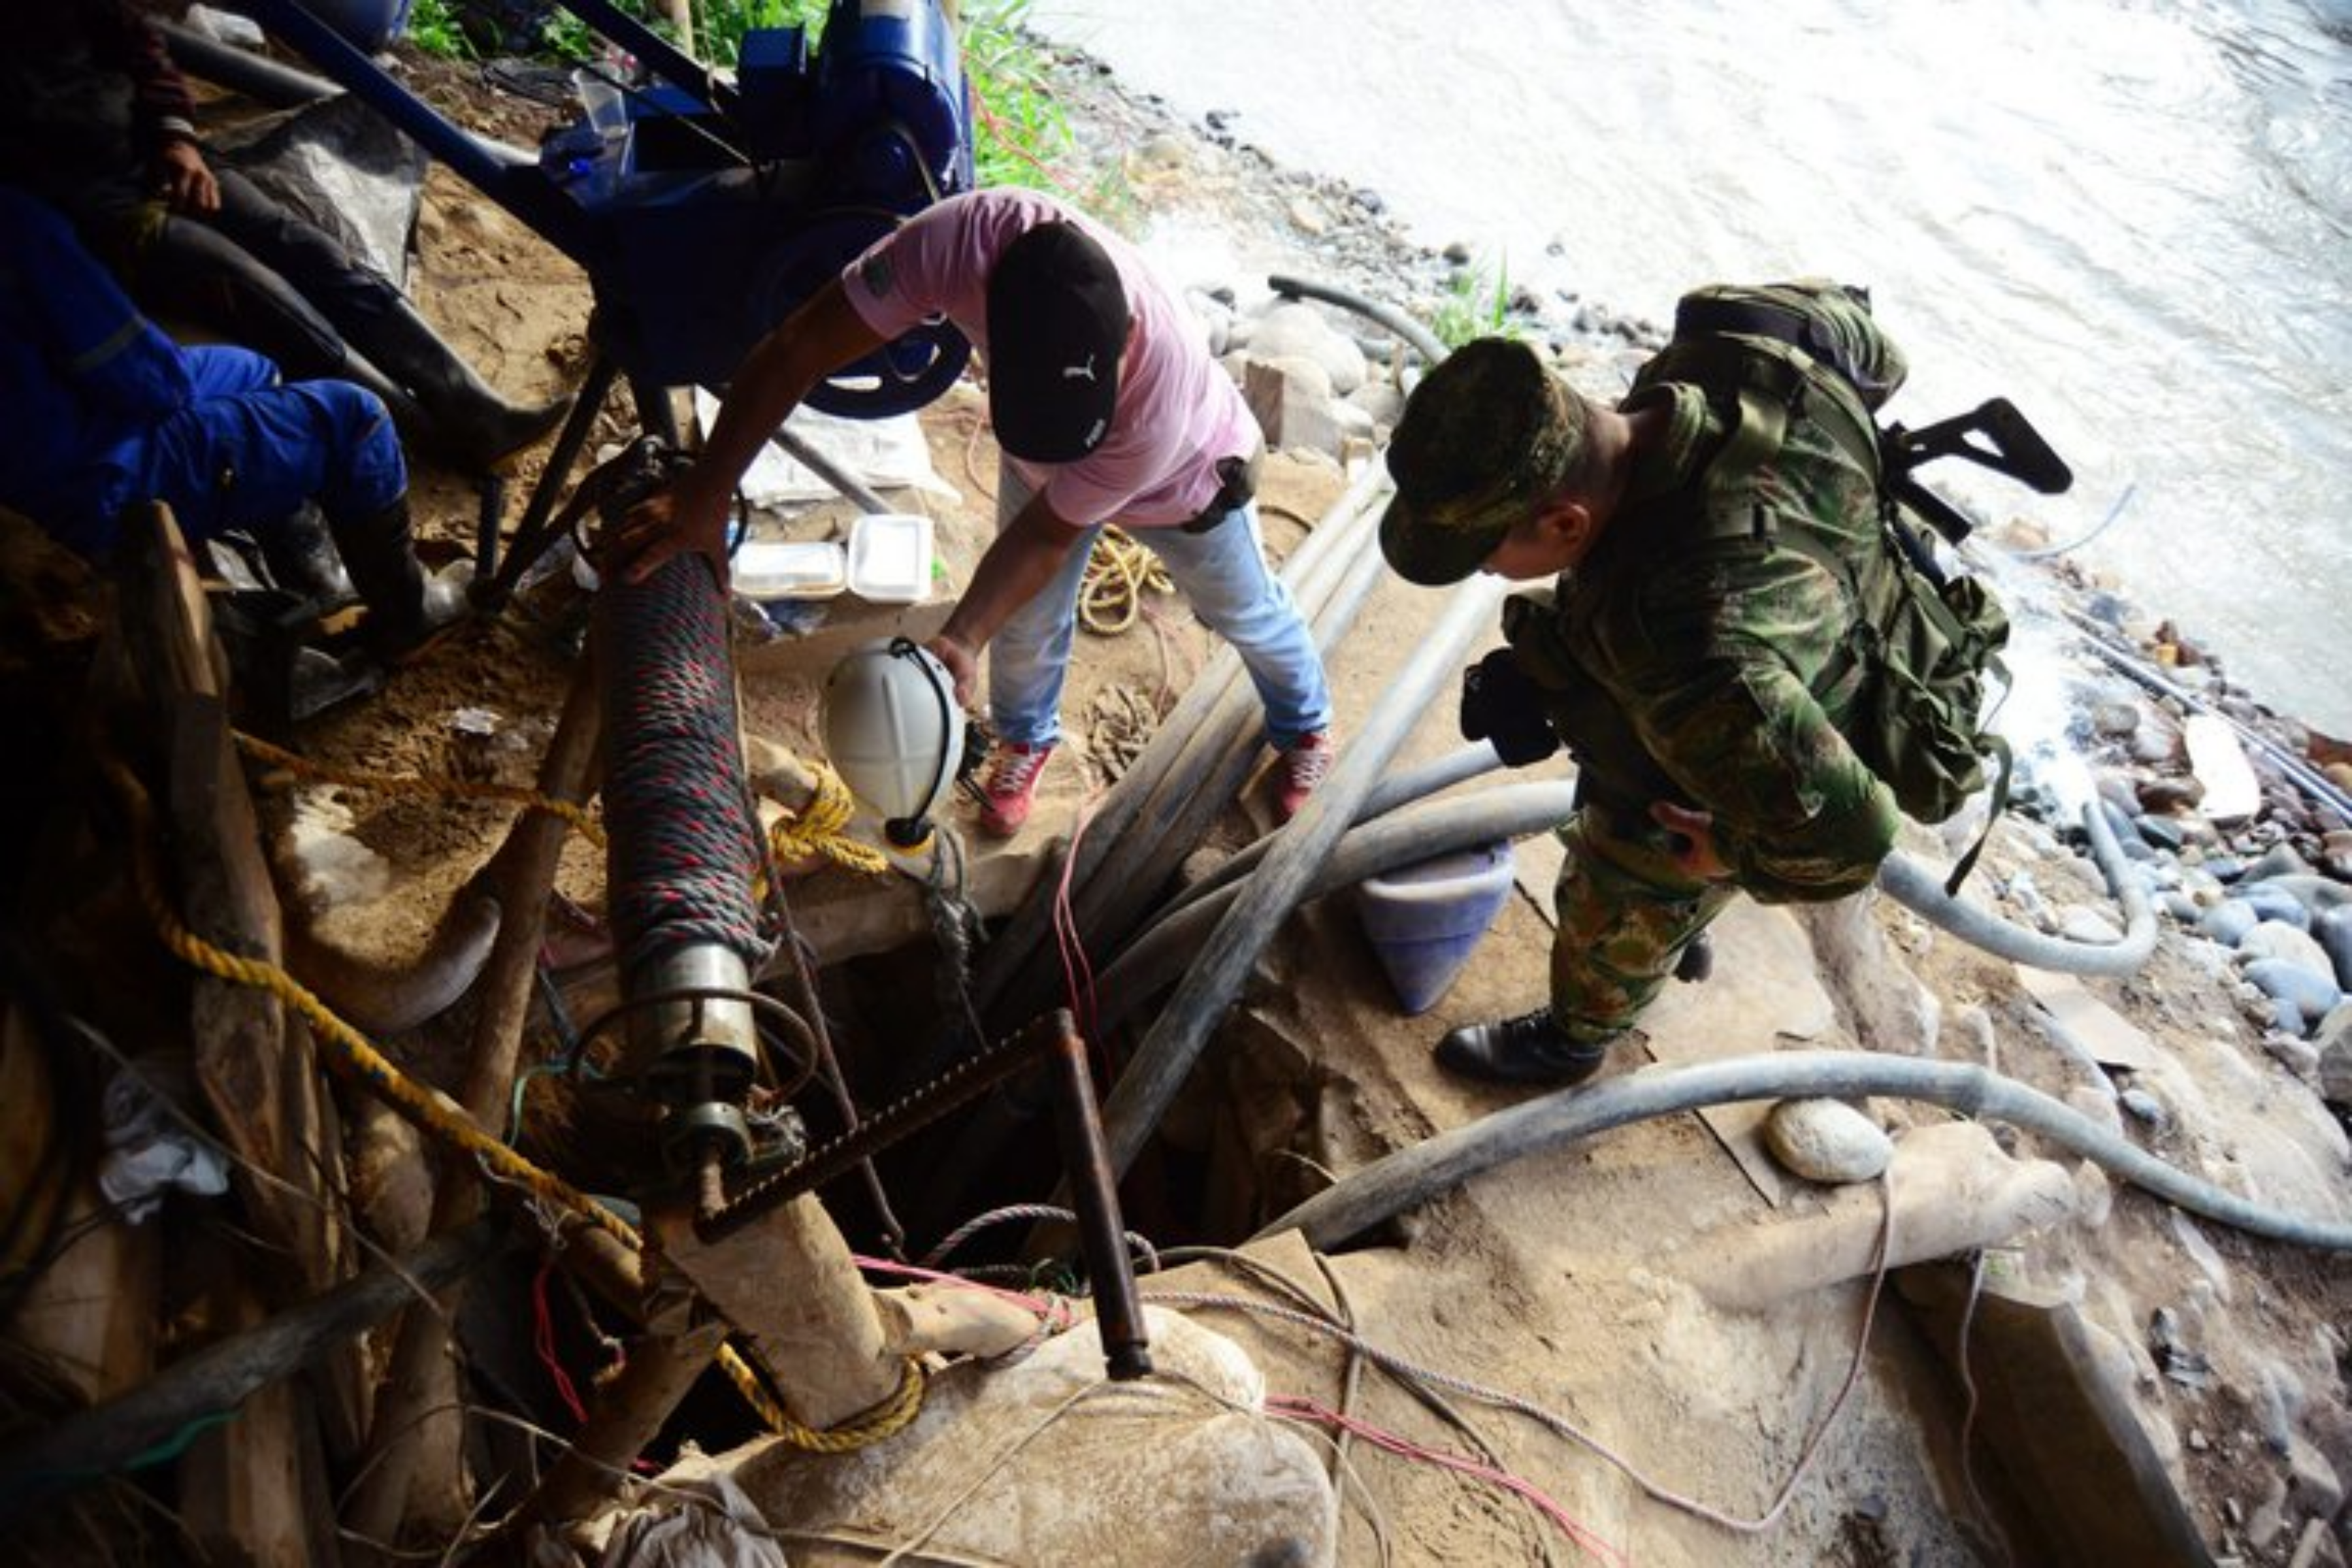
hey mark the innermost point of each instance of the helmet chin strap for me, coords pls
(906, 832)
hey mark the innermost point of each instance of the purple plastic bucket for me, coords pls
(1424, 920)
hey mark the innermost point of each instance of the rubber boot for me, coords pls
(408, 415)
(471, 424)
(406, 608)
(1530, 1048)
(302, 560)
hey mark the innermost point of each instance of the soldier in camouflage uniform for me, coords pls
(1715, 537)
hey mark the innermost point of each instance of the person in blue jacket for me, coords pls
(105, 411)
(96, 119)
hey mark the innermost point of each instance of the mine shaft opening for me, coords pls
(1231, 1154)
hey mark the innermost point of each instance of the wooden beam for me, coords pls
(221, 1377)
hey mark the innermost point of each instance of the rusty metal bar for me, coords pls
(1094, 1190)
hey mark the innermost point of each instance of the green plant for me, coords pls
(434, 28)
(1021, 131)
(1471, 310)
(719, 25)
(1021, 126)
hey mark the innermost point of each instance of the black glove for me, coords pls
(1499, 703)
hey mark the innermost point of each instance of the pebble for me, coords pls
(2115, 721)
(2335, 1072)
(1827, 1140)
(2147, 1108)
(2280, 860)
(2089, 926)
(2299, 1057)
(2228, 921)
(2288, 944)
(2275, 904)
(2283, 981)
(2333, 931)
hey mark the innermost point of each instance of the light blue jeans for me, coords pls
(1222, 574)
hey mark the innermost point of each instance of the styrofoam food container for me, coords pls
(890, 557)
(790, 569)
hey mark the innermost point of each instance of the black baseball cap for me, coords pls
(1058, 324)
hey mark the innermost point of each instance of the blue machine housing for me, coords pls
(720, 206)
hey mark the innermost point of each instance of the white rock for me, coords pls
(2219, 760)
(1827, 1140)
(2276, 939)
(1292, 328)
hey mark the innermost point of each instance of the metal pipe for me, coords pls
(657, 53)
(495, 584)
(1094, 1190)
(832, 473)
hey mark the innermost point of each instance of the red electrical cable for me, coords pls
(1405, 1448)
(543, 1341)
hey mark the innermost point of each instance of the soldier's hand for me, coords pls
(184, 180)
(1693, 831)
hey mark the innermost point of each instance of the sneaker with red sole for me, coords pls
(1009, 786)
(1303, 765)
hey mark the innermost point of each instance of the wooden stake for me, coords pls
(408, 1441)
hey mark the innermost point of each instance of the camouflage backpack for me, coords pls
(1929, 645)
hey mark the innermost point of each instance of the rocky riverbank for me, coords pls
(2156, 718)
(2237, 818)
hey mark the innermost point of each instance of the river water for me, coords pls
(2130, 219)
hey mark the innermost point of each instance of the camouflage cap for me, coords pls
(1488, 432)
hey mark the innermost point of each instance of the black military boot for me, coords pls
(301, 558)
(1530, 1048)
(406, 609)
(465, 418)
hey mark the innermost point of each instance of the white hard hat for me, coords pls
(893, 731)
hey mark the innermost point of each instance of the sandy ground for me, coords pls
(1573, 1280)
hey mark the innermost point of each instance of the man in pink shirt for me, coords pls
(1108, 408)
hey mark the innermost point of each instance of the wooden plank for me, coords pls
(1764, 989)
(92, 1315)
(2112, 1039)
(247, 1486)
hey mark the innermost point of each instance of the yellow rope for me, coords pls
(433, 1112)
(817, 829)
(1118, 572)
(571, 811)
